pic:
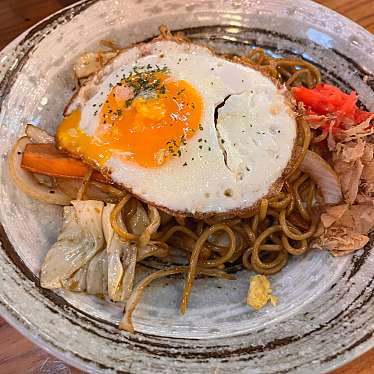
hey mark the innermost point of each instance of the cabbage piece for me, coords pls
(114, 248)
(97, 275)
(129, 264)
(80, 239)
(92, 278)
(154, 224)
(152, 249)
(139, 221)
(77, 282)
(121, 260)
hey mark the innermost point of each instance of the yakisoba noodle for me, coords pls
(262, 242)
(289, 71)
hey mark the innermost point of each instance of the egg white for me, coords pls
(226, 166)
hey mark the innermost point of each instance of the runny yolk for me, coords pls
(145, 120)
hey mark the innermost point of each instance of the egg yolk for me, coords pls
(146, 118)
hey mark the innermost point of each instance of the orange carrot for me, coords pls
(46, 159)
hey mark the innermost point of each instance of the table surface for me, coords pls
(17, 354)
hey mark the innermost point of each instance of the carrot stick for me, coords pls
(46, 159)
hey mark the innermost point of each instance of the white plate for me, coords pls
(324, 317)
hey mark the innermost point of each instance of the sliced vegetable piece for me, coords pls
(95, 190)
(90, 63)
(47, 159)
(27, 183)
(80, 239)
(37, 135)
(114, 250)
(97, 275)
(324, 176)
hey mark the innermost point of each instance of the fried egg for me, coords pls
(183, 128)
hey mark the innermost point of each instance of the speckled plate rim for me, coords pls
(30, 331)
(17, 324)
(9, 315)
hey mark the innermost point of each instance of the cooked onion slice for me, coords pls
(324, 176)
(90, 63)
(37, 135)
(95, 190)
(27, 183)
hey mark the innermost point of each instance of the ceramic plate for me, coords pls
(325, 314)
